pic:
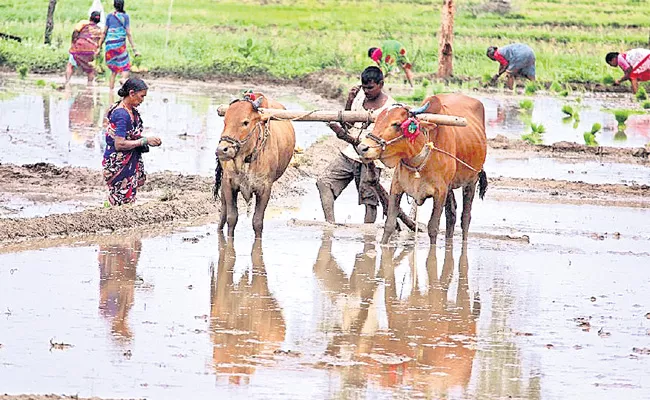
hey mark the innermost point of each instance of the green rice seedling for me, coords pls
(555, 87)
(536, 136)
(426, 82)
(531, 88)
(576, 123)
(22, 71)
(620, 136)
(40, 83)
(487, 77)
(568, 110)
(641, 94)
(608, 80)
(590, 139)
(595, 128)
(53, 85)
(621, 116)
(564, 93)
(646, 104)
(526, 105)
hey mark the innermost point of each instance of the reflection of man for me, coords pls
(246, 318)
(117, 267)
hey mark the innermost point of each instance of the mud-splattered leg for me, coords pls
(223, 212)
(466, 217)
(436, 213)
(261, 201)
(232, 215)
(391, 219)
(450, 216)
(326, 200)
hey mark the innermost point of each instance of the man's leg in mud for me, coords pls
(366, 177)
(338, 175)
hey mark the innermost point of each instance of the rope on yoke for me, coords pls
(433, 147)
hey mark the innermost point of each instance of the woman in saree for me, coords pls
(515, 60)
(117, 30)
(635, 64)
(85, 44)
(123, 166)
(388, 55)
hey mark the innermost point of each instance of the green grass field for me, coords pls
(293, 38)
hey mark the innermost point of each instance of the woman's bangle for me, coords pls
(143, 141)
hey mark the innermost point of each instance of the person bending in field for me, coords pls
(391, 53)
(85, 42)
(347, 165)
(635, 64)
(515, 60)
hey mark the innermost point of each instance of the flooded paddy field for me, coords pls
(547, 299)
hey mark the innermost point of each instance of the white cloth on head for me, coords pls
(97, 6)
(357, 131)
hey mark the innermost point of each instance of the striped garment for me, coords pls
(117, 57)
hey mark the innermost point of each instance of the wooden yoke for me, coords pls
(344, 116)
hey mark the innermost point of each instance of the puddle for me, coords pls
(312, 314)
(64, 128)
(504, 116)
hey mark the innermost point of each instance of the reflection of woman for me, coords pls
(117, 267)
(123, 166)
(85, 44)
(117, 30)
(82, 118)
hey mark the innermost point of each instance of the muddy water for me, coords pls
(318, 314)
(64, 128)
(505, 116)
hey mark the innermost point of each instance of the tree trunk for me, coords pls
(49, 25)
(446, 41)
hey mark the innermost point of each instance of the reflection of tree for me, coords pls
(117, 268)
(246, 321)
(424, 334)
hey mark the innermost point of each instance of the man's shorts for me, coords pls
(343, 170)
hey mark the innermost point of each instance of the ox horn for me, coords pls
(420, 109)
(258, 103)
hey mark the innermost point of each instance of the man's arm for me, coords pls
(341, 133)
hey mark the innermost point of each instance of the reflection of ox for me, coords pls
(252, 154)
(431, 160)
(424, 334)
(246, 321)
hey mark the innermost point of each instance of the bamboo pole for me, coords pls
(345, 116)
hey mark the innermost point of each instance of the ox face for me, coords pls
(241, 125)
(388, 130)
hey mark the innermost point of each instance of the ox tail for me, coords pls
(218, 174)
(482, 184)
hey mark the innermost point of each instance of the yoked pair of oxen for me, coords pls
(254, 152)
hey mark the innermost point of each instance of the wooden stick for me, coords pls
(345, 116)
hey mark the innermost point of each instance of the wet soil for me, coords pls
(172, 198)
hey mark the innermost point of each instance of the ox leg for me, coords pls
(450, 215)
(436, 213)
(224, 211)
(391, 218)
(261, 201)
(468, 199)
(230, 197)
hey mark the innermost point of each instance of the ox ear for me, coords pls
(420, 109)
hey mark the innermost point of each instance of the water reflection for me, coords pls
(117, 276)
(86, 114)
(247, 325)
(418, 339)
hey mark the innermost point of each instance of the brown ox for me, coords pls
(252, 154)
(435, 161)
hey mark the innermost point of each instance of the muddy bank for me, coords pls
(638, 155)
(49, 397)
(168, 198)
